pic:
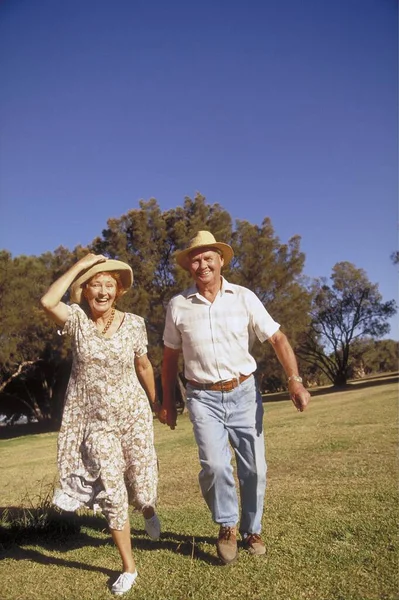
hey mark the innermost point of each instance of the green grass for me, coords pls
(330, 522)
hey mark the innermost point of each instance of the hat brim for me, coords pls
(226, 250)
(124, 270)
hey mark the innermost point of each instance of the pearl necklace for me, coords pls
(109, 322)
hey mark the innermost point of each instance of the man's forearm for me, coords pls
(283, 349)
(285, 353)
(168, 388)
(169, 376)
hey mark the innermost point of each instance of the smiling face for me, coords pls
(101, 291)
(205, 266)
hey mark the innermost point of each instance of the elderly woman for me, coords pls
(106, 454)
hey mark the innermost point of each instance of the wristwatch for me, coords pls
(295, 378)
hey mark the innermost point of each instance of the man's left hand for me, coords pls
(299, 395)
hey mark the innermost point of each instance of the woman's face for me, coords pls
(101, 292)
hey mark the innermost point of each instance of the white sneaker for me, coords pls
(123, 583)
(153, 527)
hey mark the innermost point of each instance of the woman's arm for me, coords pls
(145, 374)
(51, 301)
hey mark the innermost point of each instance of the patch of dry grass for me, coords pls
(330, 521)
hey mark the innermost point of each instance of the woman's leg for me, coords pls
(123, 542)
(106, 454)
(141, 465)
(141, 471)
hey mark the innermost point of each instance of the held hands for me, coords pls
(167, 415)
(299, 395)
(156, 408)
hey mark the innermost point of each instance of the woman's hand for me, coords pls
(156, 407)
(52, 299)
(89, 260)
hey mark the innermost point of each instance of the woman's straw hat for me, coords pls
(204, 239)
(125, 273)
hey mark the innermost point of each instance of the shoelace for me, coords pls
(252, 538)
(226, 533)
(124, 578)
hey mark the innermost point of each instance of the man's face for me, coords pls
(205, 266)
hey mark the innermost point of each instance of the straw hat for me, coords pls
(204, 239)
(125, 273)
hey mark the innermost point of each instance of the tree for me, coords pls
(32, 354)
(146, 238)
(373, 356)
(350, 309)
(273, 271)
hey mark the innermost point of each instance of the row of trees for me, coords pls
(323, 320)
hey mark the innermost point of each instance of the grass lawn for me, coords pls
(330, 522)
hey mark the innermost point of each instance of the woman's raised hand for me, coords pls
(52, 299)
(90, 259)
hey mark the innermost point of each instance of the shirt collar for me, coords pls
(225, 287)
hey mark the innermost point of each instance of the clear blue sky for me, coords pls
(279, 108)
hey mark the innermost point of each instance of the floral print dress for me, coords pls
(106, 454)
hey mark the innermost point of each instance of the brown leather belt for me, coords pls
(220, 386)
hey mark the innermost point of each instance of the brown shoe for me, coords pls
(254, 544)
(227, 545)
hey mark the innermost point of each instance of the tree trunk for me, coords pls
(340, 379)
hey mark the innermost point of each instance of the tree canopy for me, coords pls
(321, 321)
(349, 309)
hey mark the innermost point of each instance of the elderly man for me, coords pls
(215, 323)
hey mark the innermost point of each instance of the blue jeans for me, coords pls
(220, 419)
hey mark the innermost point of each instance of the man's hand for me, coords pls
(168, 415)
(299, 395)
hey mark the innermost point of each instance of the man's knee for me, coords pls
(214, 469)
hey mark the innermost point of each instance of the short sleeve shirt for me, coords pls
(216, 337)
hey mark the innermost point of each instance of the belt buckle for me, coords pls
(229, 386)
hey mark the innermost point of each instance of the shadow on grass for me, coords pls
(8, 432)
(187, 545)
(62, 532)
(357, 384)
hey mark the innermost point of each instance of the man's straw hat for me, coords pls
(125, 273)
(204, 239)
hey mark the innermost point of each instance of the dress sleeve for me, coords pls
(71, 323)
(141, 342)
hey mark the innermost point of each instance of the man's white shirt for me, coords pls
(217, 337)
